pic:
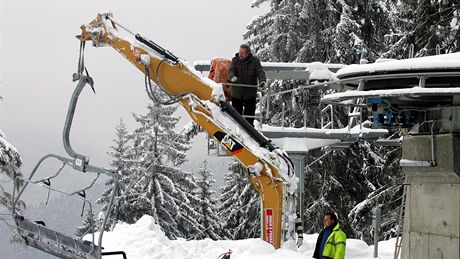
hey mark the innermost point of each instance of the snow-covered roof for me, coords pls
(414, 91)
(305, 132)
(275, 65)
(296, 71)
(302, 145)
(305, 139)
(431, 63)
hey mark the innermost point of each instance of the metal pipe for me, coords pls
(34, 170)
(109, 17)
(411, 50)
(433, 145)
(242, 85)
(307, 87)
(112, 198)
(268, 102)
(332, 117)
(304, 118)
(122, 253)
(80, 160)
(283, 110)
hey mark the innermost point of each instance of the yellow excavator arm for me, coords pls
(270, 170)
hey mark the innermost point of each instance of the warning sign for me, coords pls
(269, 225)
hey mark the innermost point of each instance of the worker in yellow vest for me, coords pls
(332, 240)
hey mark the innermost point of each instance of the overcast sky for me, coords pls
(39, 54)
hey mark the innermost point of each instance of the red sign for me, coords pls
(269, 225)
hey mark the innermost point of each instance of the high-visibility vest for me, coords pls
(335, 244)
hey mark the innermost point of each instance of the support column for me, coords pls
(432, 210)
(299, 165)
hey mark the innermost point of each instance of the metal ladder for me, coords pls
(400, 223)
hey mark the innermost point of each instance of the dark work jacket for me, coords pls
(335, 244)
(248, 71)
(316, 253)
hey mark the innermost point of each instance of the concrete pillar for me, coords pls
(432, 215)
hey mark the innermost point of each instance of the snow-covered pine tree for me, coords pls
(309, 31)
(339, 32)
(330, 31)
(207, 205)
(427, 25)
(158, 187)
(122, 164)
(10, 163)
(90, 225)
(361, 30)
(351, 183)
(240, 205)
(383, 180)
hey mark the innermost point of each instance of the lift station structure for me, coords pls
(422, 97)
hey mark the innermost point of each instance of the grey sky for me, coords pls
(39, 53)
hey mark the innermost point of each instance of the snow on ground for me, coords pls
(145, 240)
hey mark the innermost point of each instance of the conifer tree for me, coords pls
(207, 205)
(429, 26)
(121, 165)
(10, 163)
(240, 205)
(158, 187)
(330, 31)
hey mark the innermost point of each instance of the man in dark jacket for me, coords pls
(332, 240)
(245, 69)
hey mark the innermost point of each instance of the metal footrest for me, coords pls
(53, 242)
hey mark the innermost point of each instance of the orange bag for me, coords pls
(218, 73)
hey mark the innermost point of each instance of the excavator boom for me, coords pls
(270, 170)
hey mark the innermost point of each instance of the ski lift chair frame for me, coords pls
(35, 234)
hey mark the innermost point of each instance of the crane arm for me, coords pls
(270, 170)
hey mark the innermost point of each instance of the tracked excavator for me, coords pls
(269, 169)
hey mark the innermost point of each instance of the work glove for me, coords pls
(262, 84)
(234, 79)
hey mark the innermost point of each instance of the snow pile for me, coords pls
(144, 239)
(320, 72)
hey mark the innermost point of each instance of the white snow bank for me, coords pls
(144, 239)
